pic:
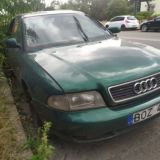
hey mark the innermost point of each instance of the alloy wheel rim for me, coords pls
(144, 28)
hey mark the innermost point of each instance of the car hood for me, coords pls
(147, 21)
(98, 64)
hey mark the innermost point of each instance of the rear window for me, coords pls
(131, 18)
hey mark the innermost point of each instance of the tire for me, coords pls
(36, 120)
(123, 28)
(144, 28)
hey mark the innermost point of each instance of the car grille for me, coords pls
(125, 92)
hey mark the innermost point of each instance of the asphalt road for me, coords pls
(142, 143)
(149, 38)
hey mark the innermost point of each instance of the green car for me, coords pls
(91, 84)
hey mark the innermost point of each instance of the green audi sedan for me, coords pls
(89, 83)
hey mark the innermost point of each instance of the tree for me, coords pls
(148, 5)
(99, 9)
(81, 5)
(118, 7)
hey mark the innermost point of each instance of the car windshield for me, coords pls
(61, 29)
(131, 18)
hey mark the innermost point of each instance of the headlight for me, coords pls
(76, 101)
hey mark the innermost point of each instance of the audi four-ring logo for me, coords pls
(145, 85)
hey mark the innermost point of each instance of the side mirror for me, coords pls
(114, 29)
(12, 43)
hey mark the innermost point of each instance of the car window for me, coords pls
(113, 19)
(117, 19)
(60, 29)
(158, 19)
(15, 30)
(131, 18)
(120, 18)
(13, 27)
(90, 29)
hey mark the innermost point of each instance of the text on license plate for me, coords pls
(143, 115)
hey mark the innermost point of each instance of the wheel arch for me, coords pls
(26, 88)
(143, 25)
(24, 85)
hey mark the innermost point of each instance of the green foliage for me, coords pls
(2, 77)
(2, 59)
(40, 146)
(155, 15)
(31, 143)
(118, 7)
(99, 9)
(144, 15)
(81, 5)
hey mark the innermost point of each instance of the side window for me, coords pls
(15, 30)
(114, 19)
(120, 18)
(158, 19)
(13, 27)
(91, 29)
(117, 19)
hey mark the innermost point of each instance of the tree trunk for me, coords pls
(148, 5)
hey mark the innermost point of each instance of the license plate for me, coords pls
(143, 115)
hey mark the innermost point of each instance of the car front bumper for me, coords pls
(91, 125)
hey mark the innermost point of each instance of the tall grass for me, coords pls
(8, 147)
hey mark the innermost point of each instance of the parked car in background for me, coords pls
(124, 22)
(151, 25)
(89, 83)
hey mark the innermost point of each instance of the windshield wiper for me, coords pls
(84, 36)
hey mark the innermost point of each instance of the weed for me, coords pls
(39, 145)
(2, 59)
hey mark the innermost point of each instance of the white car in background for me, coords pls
(123, 22)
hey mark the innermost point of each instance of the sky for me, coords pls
(49, 1)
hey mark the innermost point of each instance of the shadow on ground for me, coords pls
(142, 143)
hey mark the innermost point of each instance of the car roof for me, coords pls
(41, 13)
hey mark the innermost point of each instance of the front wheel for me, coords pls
(144, 28)
(36, 120)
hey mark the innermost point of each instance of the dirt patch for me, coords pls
(12, 137)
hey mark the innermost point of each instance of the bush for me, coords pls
(145, 15)
(40, 146)
(155, 15)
